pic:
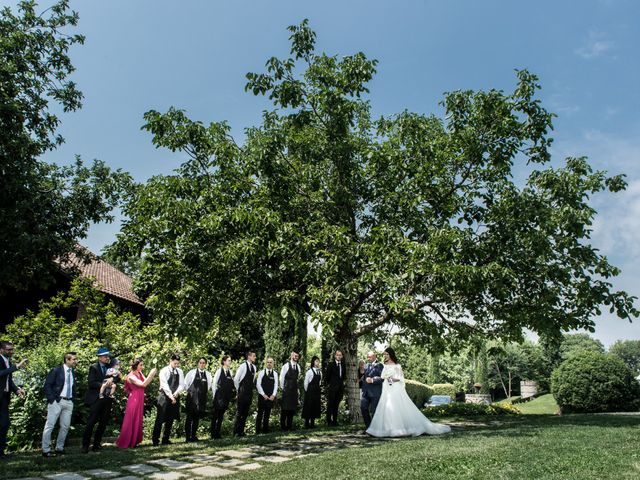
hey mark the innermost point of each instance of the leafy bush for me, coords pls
(595, 382)
(418, 392)
(470, 409)
(444, 389)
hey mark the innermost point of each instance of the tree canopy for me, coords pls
(410, 220)
(44, 208)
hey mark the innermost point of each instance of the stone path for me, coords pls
(223, 462)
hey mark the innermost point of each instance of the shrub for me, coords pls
(595, 382)
(418, 392)
(444, 389)
(470, 409)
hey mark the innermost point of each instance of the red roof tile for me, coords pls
(109, 279)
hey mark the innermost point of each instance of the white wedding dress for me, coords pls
(396, 415)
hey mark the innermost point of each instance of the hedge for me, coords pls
(470, 409)
(418, 392)
(444, 389)
(592, 382)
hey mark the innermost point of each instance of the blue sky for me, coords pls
(152, 54)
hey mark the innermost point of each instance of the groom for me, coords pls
(371, 388)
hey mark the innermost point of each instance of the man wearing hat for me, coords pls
(99, 408)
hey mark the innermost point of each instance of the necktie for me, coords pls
(7, 364)
(339, 369)
(68, 394)
(104, 369)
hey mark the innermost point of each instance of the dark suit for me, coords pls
(6, 379)
(370, 391)
(99, 408)
(334, 379)
(54, 384)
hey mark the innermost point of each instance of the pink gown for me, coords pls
(131, 430)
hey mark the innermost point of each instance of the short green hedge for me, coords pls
(444, 389)
(469, 409)
(418, 392)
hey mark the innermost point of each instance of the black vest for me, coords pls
(174, 380)
(245, 389)
(268, 383)
(198, 390)
(224, 390)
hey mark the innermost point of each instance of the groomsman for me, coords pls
(171, 386)
(197, 383)
(334, 379)
(289, 384)
(99, 408)
(267, 386)
(371, 388)
(244, 381)
(60, 390)
(7, 387)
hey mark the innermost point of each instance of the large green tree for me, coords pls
(409, 221)
(629, 352)
(44, 208)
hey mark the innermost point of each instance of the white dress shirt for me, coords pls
(242, 372)
(191, 375)
(165, 373)
(65, 386)
(261, 374)
(309, 376)
(285, 369)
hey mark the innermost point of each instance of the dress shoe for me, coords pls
(60, 452)
(84, 449)
(166, 442)
(48, 454)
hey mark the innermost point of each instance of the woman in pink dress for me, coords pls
(134, 384)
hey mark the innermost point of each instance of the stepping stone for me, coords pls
(250, 466)
(127, 477)
(274, 459)
(236, 454)
(141, 469)
(66, 476)
(167, 475)
(203, 458)
(101, 473)
(285, 453)
(230, 462)
(169, 463)
(27, 478)
(211, 472)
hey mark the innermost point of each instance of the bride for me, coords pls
(396, 415)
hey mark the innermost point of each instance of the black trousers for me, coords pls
(286, 419)
(264, 412)
(334, 397)
(167, 413)
(368, 405)
(99, 413)
(191, 424)
(241, 417)
(216, 421)
(4, 420)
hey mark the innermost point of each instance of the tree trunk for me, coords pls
(352, 388)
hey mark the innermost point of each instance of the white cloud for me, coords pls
(596, 45)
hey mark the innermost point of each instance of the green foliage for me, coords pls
(418, 392)
(470, 409)
(411, 220)
(43, 337)
(595, 382)
(444, 389)
(44, 208)
(577, 343)
(629, 352)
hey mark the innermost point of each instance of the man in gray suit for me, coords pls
(371, 388)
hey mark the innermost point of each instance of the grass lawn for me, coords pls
(543, 405)
(522, 447)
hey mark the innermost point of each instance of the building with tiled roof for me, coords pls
(108, 279)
